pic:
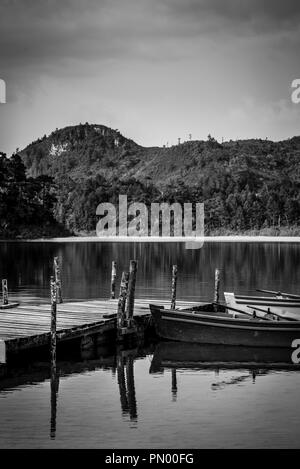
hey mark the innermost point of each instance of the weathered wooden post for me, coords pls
(174, 286)
(217, 288)
(122, 301)
(53, 290)
(113, 280)
(131, 292)
(57, 280)
(4, 291)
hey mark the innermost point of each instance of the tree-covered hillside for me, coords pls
(245, 185)
(26, 204)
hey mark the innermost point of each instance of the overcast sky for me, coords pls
(154, 69)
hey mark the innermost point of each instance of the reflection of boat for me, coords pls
(220, 328)
(183, 355)
(278, 304)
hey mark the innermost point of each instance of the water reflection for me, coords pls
(246, 365)
(125, 372)
(174, 385)
(54, 386)
(86, 267)
(175, 355)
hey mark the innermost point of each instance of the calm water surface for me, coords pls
(160, 396)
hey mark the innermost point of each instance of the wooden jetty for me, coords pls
(24, 327)
(27, 326)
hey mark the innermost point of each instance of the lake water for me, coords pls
(160, 395)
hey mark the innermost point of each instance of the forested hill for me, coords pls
(26, 204)
(245, 184)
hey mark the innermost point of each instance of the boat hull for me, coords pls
(223, 329)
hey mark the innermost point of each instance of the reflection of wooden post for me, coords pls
(54, 383)
(131, 388)
(53, 321)
(122, 301)
(57, 279)
(4, 292)
(174, 384)
(131, 292)
(113, 280)
(122, 383)
(174, 284)
(54, 377)
(217, 288)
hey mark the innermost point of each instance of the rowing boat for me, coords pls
(221, 328)
(284, 306)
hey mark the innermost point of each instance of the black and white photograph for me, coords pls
(149, 227)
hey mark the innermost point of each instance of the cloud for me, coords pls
(43, 33)
(131, 56)
(240, 15)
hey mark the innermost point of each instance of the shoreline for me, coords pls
(160, 239)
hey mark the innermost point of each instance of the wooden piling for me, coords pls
(113, 280)
(217, 288)
(122, 301)
(4, 291)
(131, 293)
(57, 274)
(174, 286)
(53, 292)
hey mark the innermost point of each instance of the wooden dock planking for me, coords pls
(26, 326)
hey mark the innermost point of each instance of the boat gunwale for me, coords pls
(256, 324)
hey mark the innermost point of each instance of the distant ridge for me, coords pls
(245, 184)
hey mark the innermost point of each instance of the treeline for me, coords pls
(26, 204)
(238, 206)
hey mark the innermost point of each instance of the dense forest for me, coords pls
(247, 186)
(26, 203)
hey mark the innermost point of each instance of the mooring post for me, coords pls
(53, 290)
(122, 301)
(217, 288)
(131, 292)
(4, 291)
(57, 274)
(113, 280)
(174, 285)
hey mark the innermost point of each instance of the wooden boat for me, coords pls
(183, 355)
(221, 328)
(286, 306)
